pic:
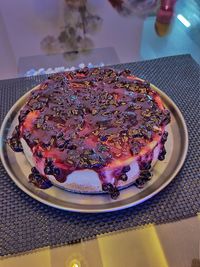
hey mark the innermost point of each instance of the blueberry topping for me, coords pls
(23, 115)
(15, 144)
(49, 161)
(123, 177)
(39, 154)
(135, 148)
(115, 194)
(145, 165)
(34, 170)
(145, 174)
(72, 147)
(107, 187)
(161, 157)
(126, 169)
(37, 106)
(103, 138)
(164, 137)
(48, 170)
(61, 144)
(59, 135)
(56, 171)
(140, 182)
(166, 118)
(40, 181)
(162, 154)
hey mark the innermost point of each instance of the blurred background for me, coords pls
(38, 37)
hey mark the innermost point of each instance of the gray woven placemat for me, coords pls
(26, 224)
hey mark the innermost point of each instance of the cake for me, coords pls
(91, 131)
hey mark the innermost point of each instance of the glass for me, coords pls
(38, 37)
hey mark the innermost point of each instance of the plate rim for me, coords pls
(96, 210)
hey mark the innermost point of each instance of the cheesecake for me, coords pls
(91, 131)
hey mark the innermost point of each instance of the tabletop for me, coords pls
(43, 37)
(175, 244)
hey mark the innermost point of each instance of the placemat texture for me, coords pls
(26, 224)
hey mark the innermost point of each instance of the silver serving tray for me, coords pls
(18, 168)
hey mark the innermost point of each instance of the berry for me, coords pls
(123, 177)
(48, 170)
(164, 137)
(107, 187)
(56, 171)
(140, 182)
(49, 161)
(34, 170)
(103, 138)
(39, 181)
(115, 193)
(39, 154)
(126, 169)
(59, 135)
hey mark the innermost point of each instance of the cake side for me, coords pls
(87, 181)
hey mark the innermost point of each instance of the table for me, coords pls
(176, 244)
(33, 41)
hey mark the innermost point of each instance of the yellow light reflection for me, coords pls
(132, 248)
(74, 263)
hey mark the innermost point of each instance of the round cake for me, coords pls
(92, 130)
